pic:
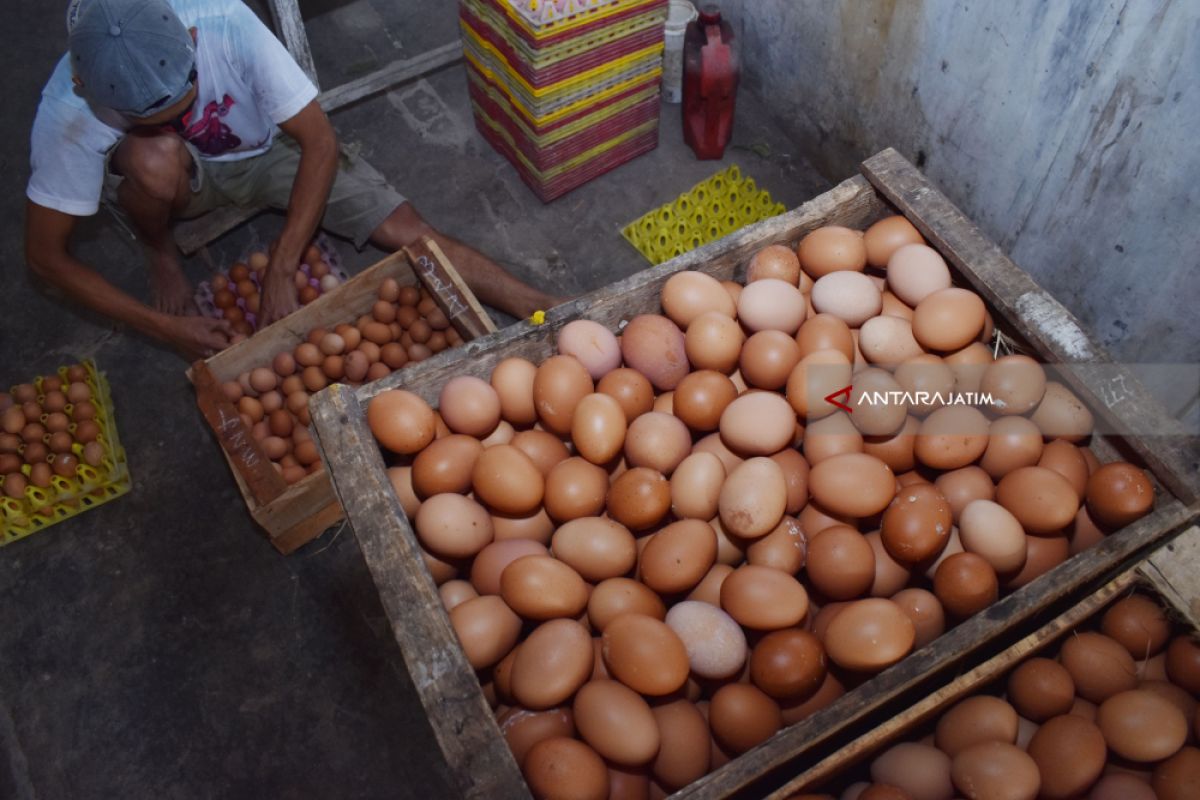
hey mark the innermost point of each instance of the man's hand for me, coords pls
(197, 337)
(279, 293)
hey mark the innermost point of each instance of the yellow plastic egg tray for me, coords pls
(90, 486)
(715, 207)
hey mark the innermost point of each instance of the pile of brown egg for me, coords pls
(404, 325)
(1113, 717)
(42, 425)
(237, 294)
(659, 549)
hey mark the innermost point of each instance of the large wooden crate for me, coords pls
(466, 733)
(292, 516)
(1171, 573)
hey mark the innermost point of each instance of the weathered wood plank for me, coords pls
(290, 26)
(449, 290)
(1174, 571)
(1119, 401)
(459, 715)
(392, 75)
(894, 727)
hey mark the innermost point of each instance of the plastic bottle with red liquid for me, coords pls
(710, 80)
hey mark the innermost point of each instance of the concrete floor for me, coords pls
(158, 646)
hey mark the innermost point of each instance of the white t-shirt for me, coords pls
(247, 83)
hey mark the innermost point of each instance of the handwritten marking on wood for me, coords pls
(452, 302)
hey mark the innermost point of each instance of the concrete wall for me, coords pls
(1067, 129)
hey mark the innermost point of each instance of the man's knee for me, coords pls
(155, 165)
(403, 227)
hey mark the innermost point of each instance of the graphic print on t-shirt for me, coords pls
(209, 134)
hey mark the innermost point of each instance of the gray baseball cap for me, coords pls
(133, 56)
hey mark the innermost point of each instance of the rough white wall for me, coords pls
(1068, 129)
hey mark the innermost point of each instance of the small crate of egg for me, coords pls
(1108, 713)
(680, 512)
(403, 326)
(235, 294)
(59, 451)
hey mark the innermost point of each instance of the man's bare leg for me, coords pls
(157, 183)
(490, 282)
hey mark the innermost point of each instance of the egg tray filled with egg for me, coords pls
(236, 293)
(59, 451)
(1108, 713)
(403, 326)
(678, 519)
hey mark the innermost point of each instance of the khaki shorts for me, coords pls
(359, 201)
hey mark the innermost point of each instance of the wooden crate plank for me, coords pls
(392, 75)
(459, 715)
(290, 25)
(449, 290)
(896, 726)
(1112, 392)
(1174, 572)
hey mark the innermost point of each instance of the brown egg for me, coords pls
(631, 389)
(83, 411)
(715, 643)
(714, 341)
(767, 359)
(758, 424)
(965, 583)
(753, 498)
(545, 449)
(1070, 753)
(1121, 786)
(771, 304)
(915, 271)
(888, 341)
(489, 564)
(445, 465)
(559, 767)
(784, 548)
(645, 654)
(774, 261)
(875, 409)
(654, 346)
(41, 474)
(453, 526)
(486, 628)
(15, 484)
(869, 635)
(1178, 778)
(616, 722)
(656, 440)
(1041, 499)
(678, 556)
(1142, 726)
(683, 754)
(850, 296)
(825, 332)
(1013, 442)
(996, 770)
(576, 488)
(925, 611)
(513, 380)
(1139, 624)
(1117, 494)
(688, 294)
(948, 319)
(818, 375)
(831, 689)
(1099, 666)
(616, 596)
(763, 598)
(401, 480)
(890, 575)
(507, 480)
(401, 421)
(989, 530)
(1015, 383)
(1183, 663)
(469, 405)
(696, 486)
(841, 563)
(832, 248)
(595, 547)
(742, 716)
(560, 383)
(1067, 460)
(795, 474)
(540, 588)
(536, 526)
(788, 664)
(57, 421)
(1061, 415)
(1042, 554)
(713, 444)
(552, 663)
(854, 484)
(975, 720)
(916, 525)
(598, 428)
(886, 236)
(639, 498)
(919, 769)
(952, 437)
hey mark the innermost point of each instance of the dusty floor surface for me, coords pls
(158, 646)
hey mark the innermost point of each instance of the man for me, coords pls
(172, 108)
